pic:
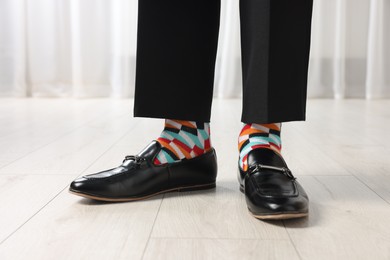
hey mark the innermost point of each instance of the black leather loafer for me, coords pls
(138, 178)
(271, 190)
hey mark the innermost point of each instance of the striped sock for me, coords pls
(182, 139)
(254, 136)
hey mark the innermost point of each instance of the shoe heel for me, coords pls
(197, 187)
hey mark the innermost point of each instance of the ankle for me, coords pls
(255, 136)
(182, 139)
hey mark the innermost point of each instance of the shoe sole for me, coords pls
(179, 189)
(278, 215)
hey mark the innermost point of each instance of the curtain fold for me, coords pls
(58, 48)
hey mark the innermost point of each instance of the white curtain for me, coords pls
(87, 48)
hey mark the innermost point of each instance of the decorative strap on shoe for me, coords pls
(137, 159)
(258, 167)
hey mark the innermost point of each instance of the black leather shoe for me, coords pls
(271, 190)
(138, 178)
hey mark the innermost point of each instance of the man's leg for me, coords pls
(275, 40)
(176, 52)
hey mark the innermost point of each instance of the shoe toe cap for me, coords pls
(276, 201)
(259, 204)
(81, 184)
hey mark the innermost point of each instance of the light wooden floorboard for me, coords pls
(347, 221)
(370, 164)
(201, 249)
(221, 213)
(21, 196)
(74, 151)
(70, 228)
(340, 155)
(33, 125)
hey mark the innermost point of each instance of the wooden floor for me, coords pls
(341, 155)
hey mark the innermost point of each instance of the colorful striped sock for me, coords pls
(182, 139)
(254, 136)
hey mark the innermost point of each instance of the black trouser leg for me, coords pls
(275, 43)
(176, 52)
